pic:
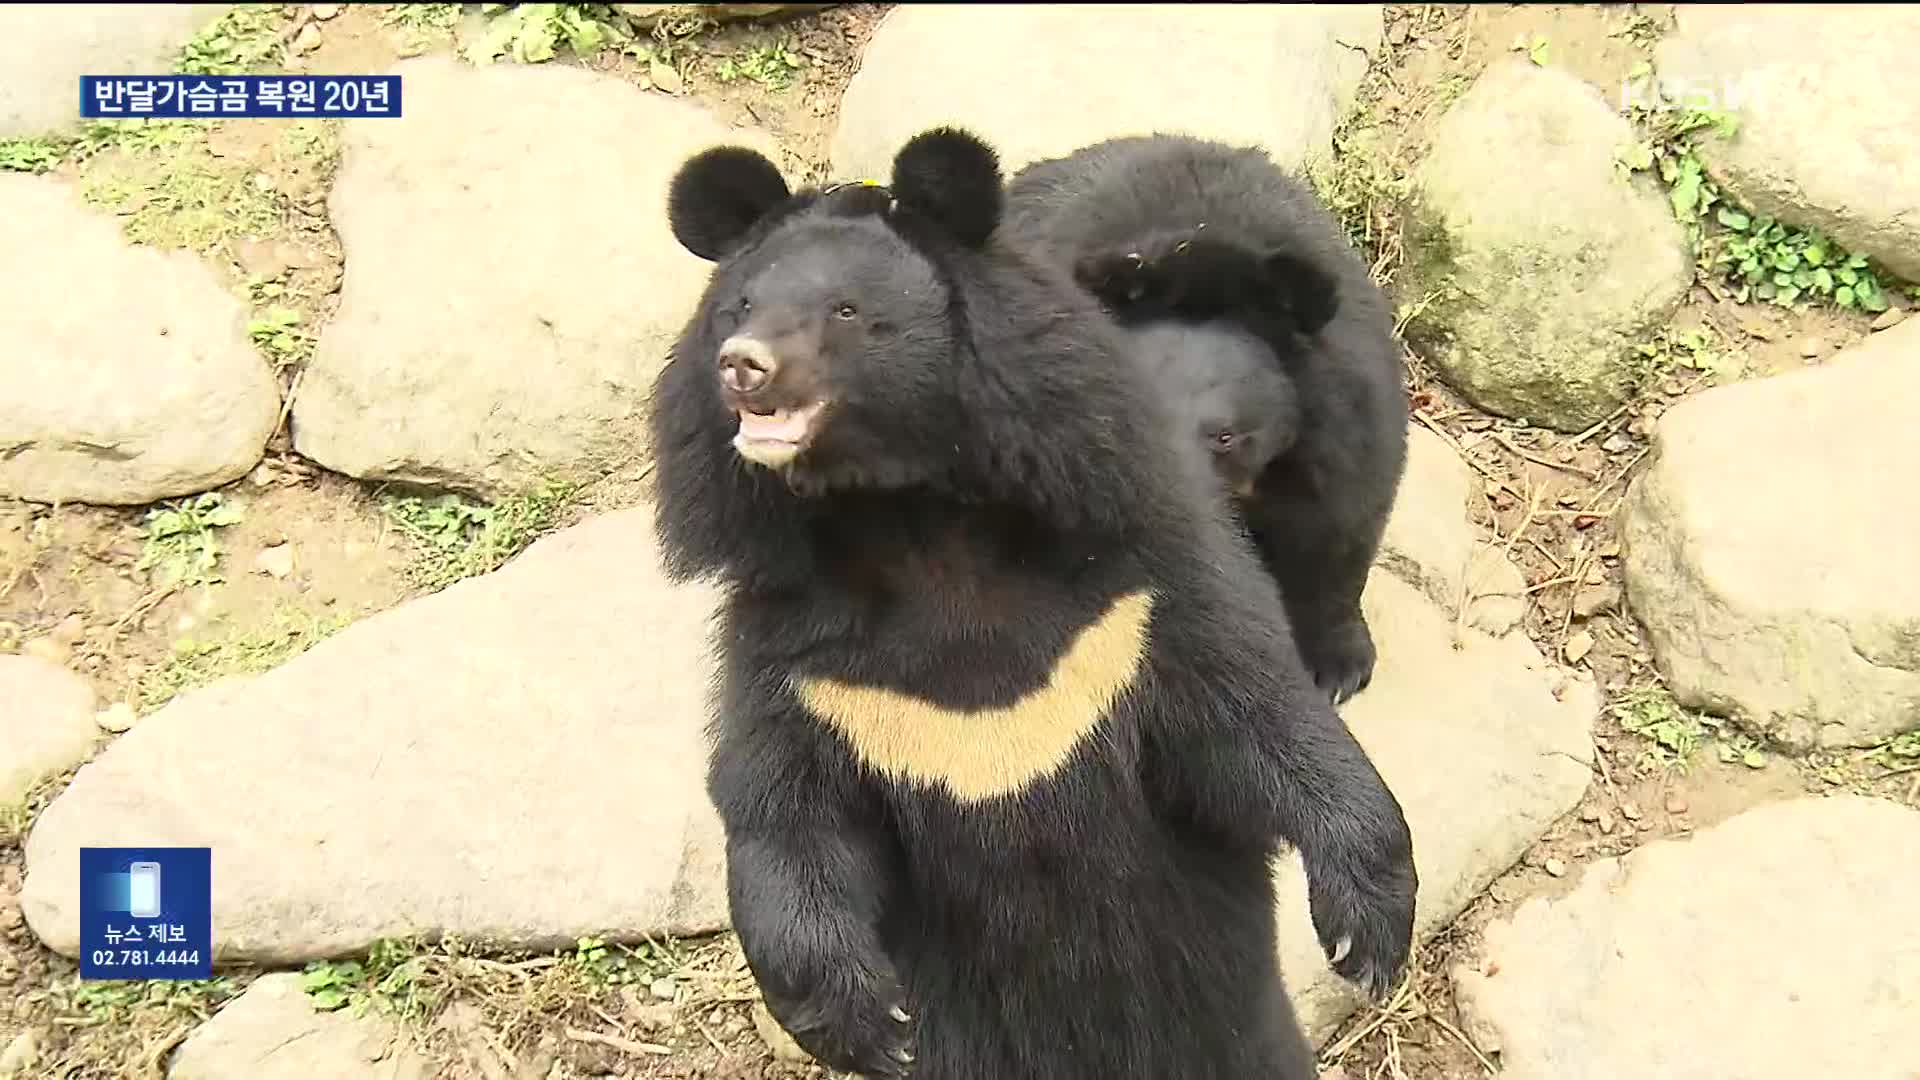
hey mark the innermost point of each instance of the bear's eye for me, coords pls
(746, 305)
(1223, 441)
(846, 311)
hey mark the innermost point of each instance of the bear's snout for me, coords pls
(746, 364)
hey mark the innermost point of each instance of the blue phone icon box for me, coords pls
(146, 913)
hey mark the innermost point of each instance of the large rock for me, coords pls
(517, 759)
(1821, 142)
(1430, 541)
(1485, 747)
(1538, 268)
(128, 373)
(271, 1032)
(1040, 80)
(512, 287)
(47, 725)
(45, 48)
(1778, 945)
(1771, 547)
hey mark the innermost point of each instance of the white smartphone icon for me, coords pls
(143, 890)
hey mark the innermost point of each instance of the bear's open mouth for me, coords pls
(775, 437)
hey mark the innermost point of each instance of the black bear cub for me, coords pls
(1173, 230)
(1009, 725)
(1227, 393)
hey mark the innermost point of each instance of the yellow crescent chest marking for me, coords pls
(979, 754)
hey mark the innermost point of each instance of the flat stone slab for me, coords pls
(1534, 284)
(1771, 547)
(128, 372)
(1777, 945)
(518, 759)
(45, 48)
(1431, 542)
(512, 286)
(270, 1032)
(1485, 747)
(46, 725)
(1041, 80)
(1821, 140)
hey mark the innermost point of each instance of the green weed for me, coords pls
(390, 979)
(30, 155)
(1699, 350)
(1754, 258)
(773, 66)
(246, 38)
(533, 33)
(110, 1001)
(277, 332)
(457, 538)
(1673, 732)
(180, 541)
(198, 662)
(171, 191)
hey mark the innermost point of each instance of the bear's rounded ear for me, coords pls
(1310, 293)
(952, 178)
(718, 195)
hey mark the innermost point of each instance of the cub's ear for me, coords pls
(1310, 293)
(718, 195)
(952, 178)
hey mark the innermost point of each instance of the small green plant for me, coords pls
(1537, 52)
(30, 155)
(425, 16)
(196, 662)
(1898, 752)
(458, 538)
(1698, 350)
(533, 33)
(278, 334)
(108, 1002)
(1741, 749)
(1757, 257)
(1673, 732)
(248, 36)
(772, 66)
(180, 539)
(1769, 261)
(391, 979)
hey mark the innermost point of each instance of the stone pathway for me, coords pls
(505, 329)
(1777, 945)
(1773, 548)
(1538, 281)
(129, 374)
(517, 758)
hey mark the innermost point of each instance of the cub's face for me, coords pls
(1226, 391)
(831, 347)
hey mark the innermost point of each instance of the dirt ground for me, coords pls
(310, 552)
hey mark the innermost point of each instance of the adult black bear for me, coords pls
(1176, 228)
(1009, 724)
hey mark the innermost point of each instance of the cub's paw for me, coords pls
(859, 1025)
(1134, 281)
(1340, 657)
(1363, 912)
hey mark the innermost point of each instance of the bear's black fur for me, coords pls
(1009, 724)
(1226, 391)
(1173, 227)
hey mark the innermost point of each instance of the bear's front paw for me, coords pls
(1363, 912)
(1340, 657)
(856, 1023)
(1128, 282)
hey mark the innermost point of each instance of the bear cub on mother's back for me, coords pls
(1010, 724)
(1178, 235)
